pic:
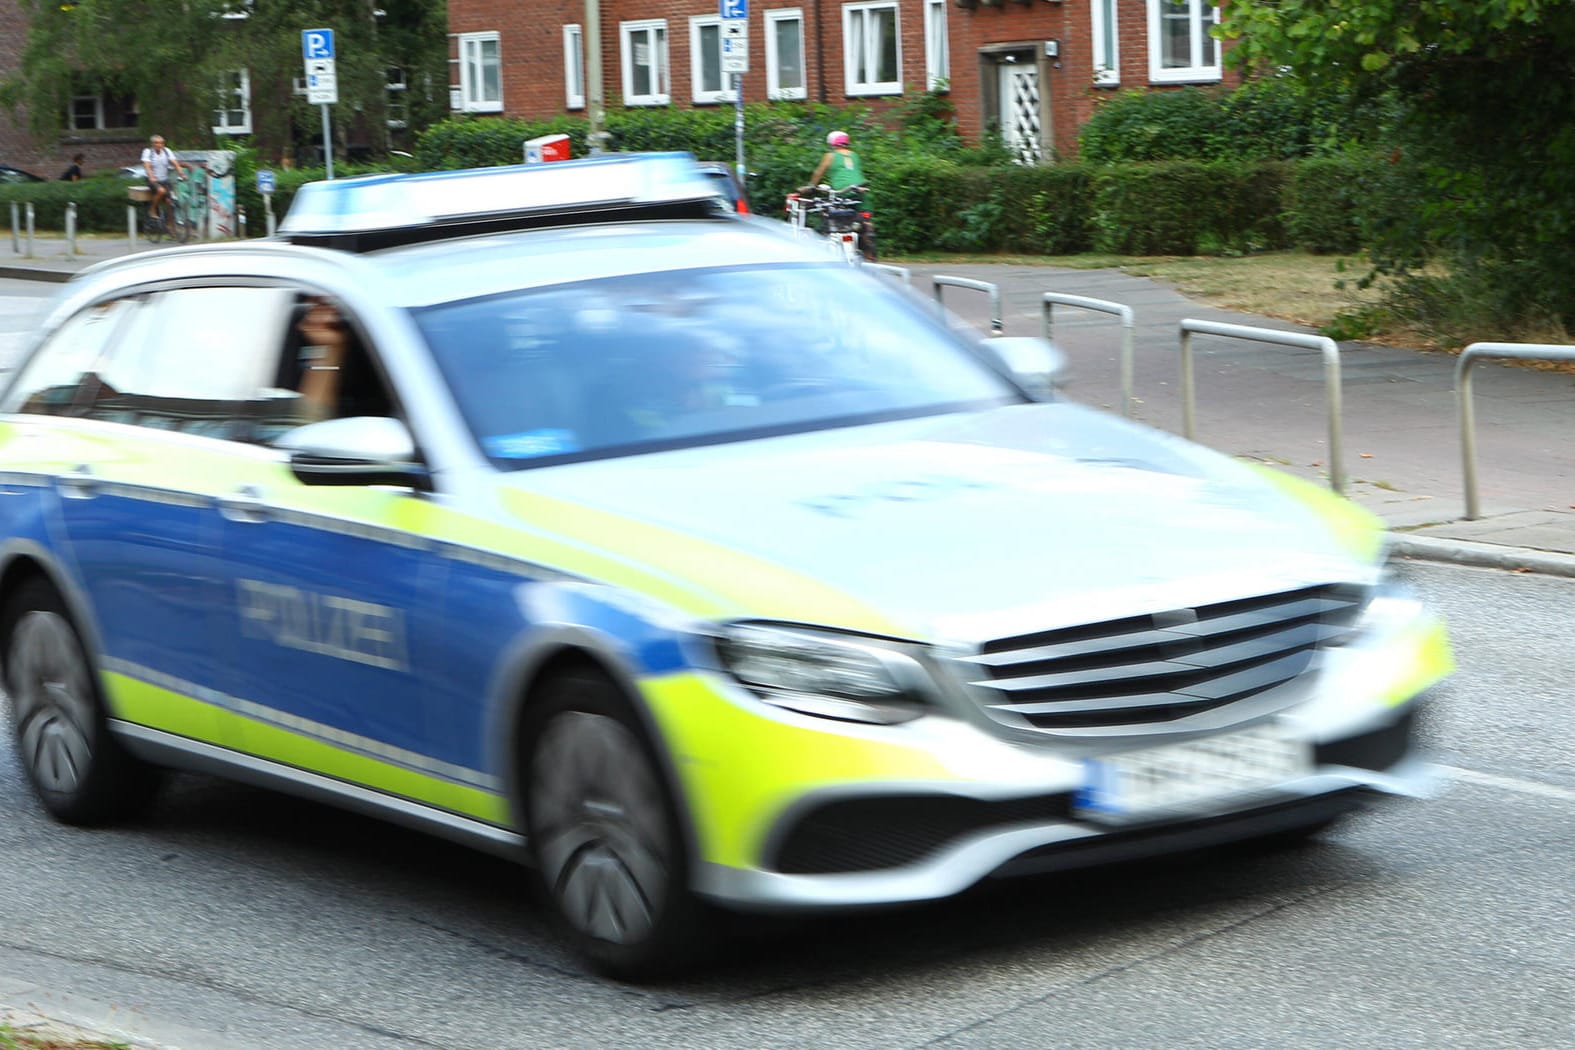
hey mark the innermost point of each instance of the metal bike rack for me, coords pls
(902, 273)
(1468, 425)
(1128, 326)
(1331, 377)
(994, 290)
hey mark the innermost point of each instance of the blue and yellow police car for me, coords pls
(562, 512)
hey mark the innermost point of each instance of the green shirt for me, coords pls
(846, 170)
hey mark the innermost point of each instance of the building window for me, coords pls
(573, 67)
(1180, 48)
(705, 60)
(480, 73)
(87, 113)
(785, 53)
(937, 53)
(1107, 52)
(645, 63)
(233, 115)
(397, 93)
(872, 49)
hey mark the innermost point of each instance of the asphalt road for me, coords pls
(233, 918)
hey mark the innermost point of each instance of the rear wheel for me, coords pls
(79, 772)
(605, 834)
(157, 226)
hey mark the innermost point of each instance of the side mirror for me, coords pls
(1038, 365)
(358, 450)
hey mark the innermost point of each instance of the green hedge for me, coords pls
(927, 199)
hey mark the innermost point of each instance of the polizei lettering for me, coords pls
(342, 628)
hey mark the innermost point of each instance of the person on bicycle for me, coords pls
(157, 162)
(843, 171)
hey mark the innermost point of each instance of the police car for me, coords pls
(558, 511)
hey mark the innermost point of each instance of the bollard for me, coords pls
(241, 215)
(16, 245)
(29, 229)
(131, 225)
(71, 228)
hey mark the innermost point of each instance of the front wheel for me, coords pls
(604, 832)
(79, 772)
(180, 226)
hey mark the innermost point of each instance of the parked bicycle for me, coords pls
(839, 216)
(176, 218)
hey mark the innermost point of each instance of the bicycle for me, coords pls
(174, 219)
(842, 220)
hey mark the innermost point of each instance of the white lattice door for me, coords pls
(1020, 110)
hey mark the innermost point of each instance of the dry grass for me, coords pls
(1312, 290)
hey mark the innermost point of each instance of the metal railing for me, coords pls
(1331, 372)
(1128, 325)
(994, 290)
(1468, 424)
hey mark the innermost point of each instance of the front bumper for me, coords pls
(833, 856)
(792, 811)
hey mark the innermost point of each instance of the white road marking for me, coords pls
(1525, 787)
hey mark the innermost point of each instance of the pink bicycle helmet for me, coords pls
(837, 138)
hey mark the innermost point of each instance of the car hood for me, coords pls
(954, 528)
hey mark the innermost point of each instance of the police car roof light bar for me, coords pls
(379, 211)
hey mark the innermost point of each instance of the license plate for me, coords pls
(1190, 774)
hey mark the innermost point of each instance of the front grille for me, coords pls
(1163, 666)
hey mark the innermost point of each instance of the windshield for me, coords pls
(664, 360)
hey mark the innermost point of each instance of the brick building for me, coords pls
(1036, 69)
(102, 127)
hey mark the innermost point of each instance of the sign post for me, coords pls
(735, 60)
(265, 186)
(322, 82)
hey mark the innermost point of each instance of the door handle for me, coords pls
(79, 483)
(244, 505)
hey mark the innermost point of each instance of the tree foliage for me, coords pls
(1484, 92)
(171, 55)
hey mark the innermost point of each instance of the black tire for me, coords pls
(79, 771)
(156, 227)
(604, 833)
(180, 225)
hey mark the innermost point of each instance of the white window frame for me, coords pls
(701, 95)
(774, 89)
(98, 113)
(472, 76)
(243, 96)
(862, 12)
(573, 66)
(1106, 42)
(661, 95)
(1201, 15)
(937, 47)
(396, 92)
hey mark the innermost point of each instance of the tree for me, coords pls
(173, 55)
(1484, 92)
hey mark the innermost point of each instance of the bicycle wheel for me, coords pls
(180, 224)
(155, 227)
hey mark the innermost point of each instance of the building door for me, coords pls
(1020, 116)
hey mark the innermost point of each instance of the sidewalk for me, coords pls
(1401, 438)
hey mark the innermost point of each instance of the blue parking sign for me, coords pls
(734, 8)
(264, 181)
(317, 43)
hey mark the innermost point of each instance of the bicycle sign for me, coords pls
(734, 8)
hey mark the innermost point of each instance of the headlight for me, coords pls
(825, 675)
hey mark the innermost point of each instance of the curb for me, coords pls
(1485, 555)
(34, 273)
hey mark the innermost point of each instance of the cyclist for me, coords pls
(157, 162)
(843, 171)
